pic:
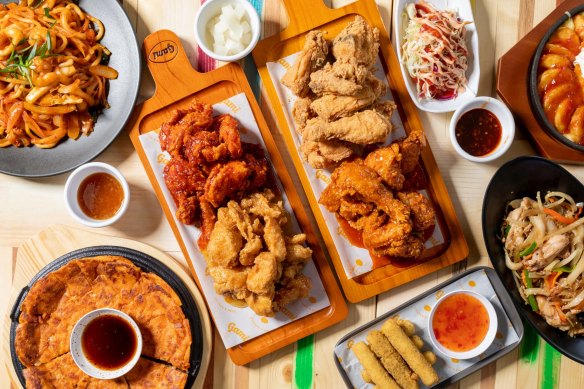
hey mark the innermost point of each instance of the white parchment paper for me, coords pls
(356, 260)
(418, 314)
(235, 325)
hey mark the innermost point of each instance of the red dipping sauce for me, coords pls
(460, 322)
(478, 132)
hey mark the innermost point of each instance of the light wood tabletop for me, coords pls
(30, 205)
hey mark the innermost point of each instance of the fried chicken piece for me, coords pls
(301, 112)
(230, 280)
(297, 288)
(365, 127)
(325, 154)
(225, 180)
(345, 79)
(225, 242)
(423, 213)
(208, 219)
(352, 209)
(261, 304)
(274, 238)
(185, 183)
(386, 161)
(182, 124)
(220, 142)
(262, 276)
(311, 58)
(410, 246)
(262, 204)
(375, 236)
(357, 42)
(331, 107)
(411, 147)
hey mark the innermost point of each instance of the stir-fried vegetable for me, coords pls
(544, 248)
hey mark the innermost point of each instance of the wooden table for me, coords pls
(31, 205)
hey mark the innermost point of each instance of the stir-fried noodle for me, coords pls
(53, 72)
(544, 242)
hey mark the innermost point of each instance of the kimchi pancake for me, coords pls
(152, 375)
(166, 333)
(62, 372)
(57, 301)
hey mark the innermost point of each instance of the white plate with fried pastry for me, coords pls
(464, 80)
(396, 347)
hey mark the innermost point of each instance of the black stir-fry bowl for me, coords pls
(524, 177)
(534, 97)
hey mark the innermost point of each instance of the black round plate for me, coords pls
(119, 38)
(534, 98)
(144, 262)
(523, 177)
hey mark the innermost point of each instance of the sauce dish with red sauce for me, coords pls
(462, 324)
(482, 129)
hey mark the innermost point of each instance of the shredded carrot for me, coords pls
(551, 279)
(559, 217)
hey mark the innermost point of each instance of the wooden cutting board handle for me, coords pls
(305, 14)
(170, 67)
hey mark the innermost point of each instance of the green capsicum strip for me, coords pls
(530, 298)
(563, 269)
(527, 251)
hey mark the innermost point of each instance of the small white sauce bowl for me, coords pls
(72, 186)
(212, 8)
(502, 113)
(487, 340)
(77, 348)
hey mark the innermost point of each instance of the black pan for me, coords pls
(534, 97)
(144, 262)
(522, 177)
(67, 155)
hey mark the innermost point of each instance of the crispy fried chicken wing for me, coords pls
(357, 42)
(185, 183)
(327, 153)
(182, 124)
(345, 79)
(423, 213)
(311, 58)
(411, 147)
(386, 161)
(331, 107)
(365, 127)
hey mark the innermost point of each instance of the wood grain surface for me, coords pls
(28, 206)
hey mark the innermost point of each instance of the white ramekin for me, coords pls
(212, 8)
(502, 113)
(75, 180)
(487, 340)
(77, 348)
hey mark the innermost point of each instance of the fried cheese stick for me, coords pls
(391, 360)
(410, 353)
(376, 372)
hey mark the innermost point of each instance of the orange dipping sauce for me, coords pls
(100, 196)
(460, 322)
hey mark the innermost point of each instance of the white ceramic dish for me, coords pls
(487, 340)
(77, 348)
(464, 10)
(212, 8)
(72, 186)
(502, 113)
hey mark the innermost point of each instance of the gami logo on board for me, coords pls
(163, 52)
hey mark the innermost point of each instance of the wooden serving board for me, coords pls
(177, 83)
(306, 15)
(58, 240)
(514, 67)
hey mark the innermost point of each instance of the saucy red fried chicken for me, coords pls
(361, 192)
(209, 165)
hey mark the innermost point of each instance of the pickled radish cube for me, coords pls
(239, 11)
(245, 26)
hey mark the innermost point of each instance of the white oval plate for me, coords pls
(464, 10)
